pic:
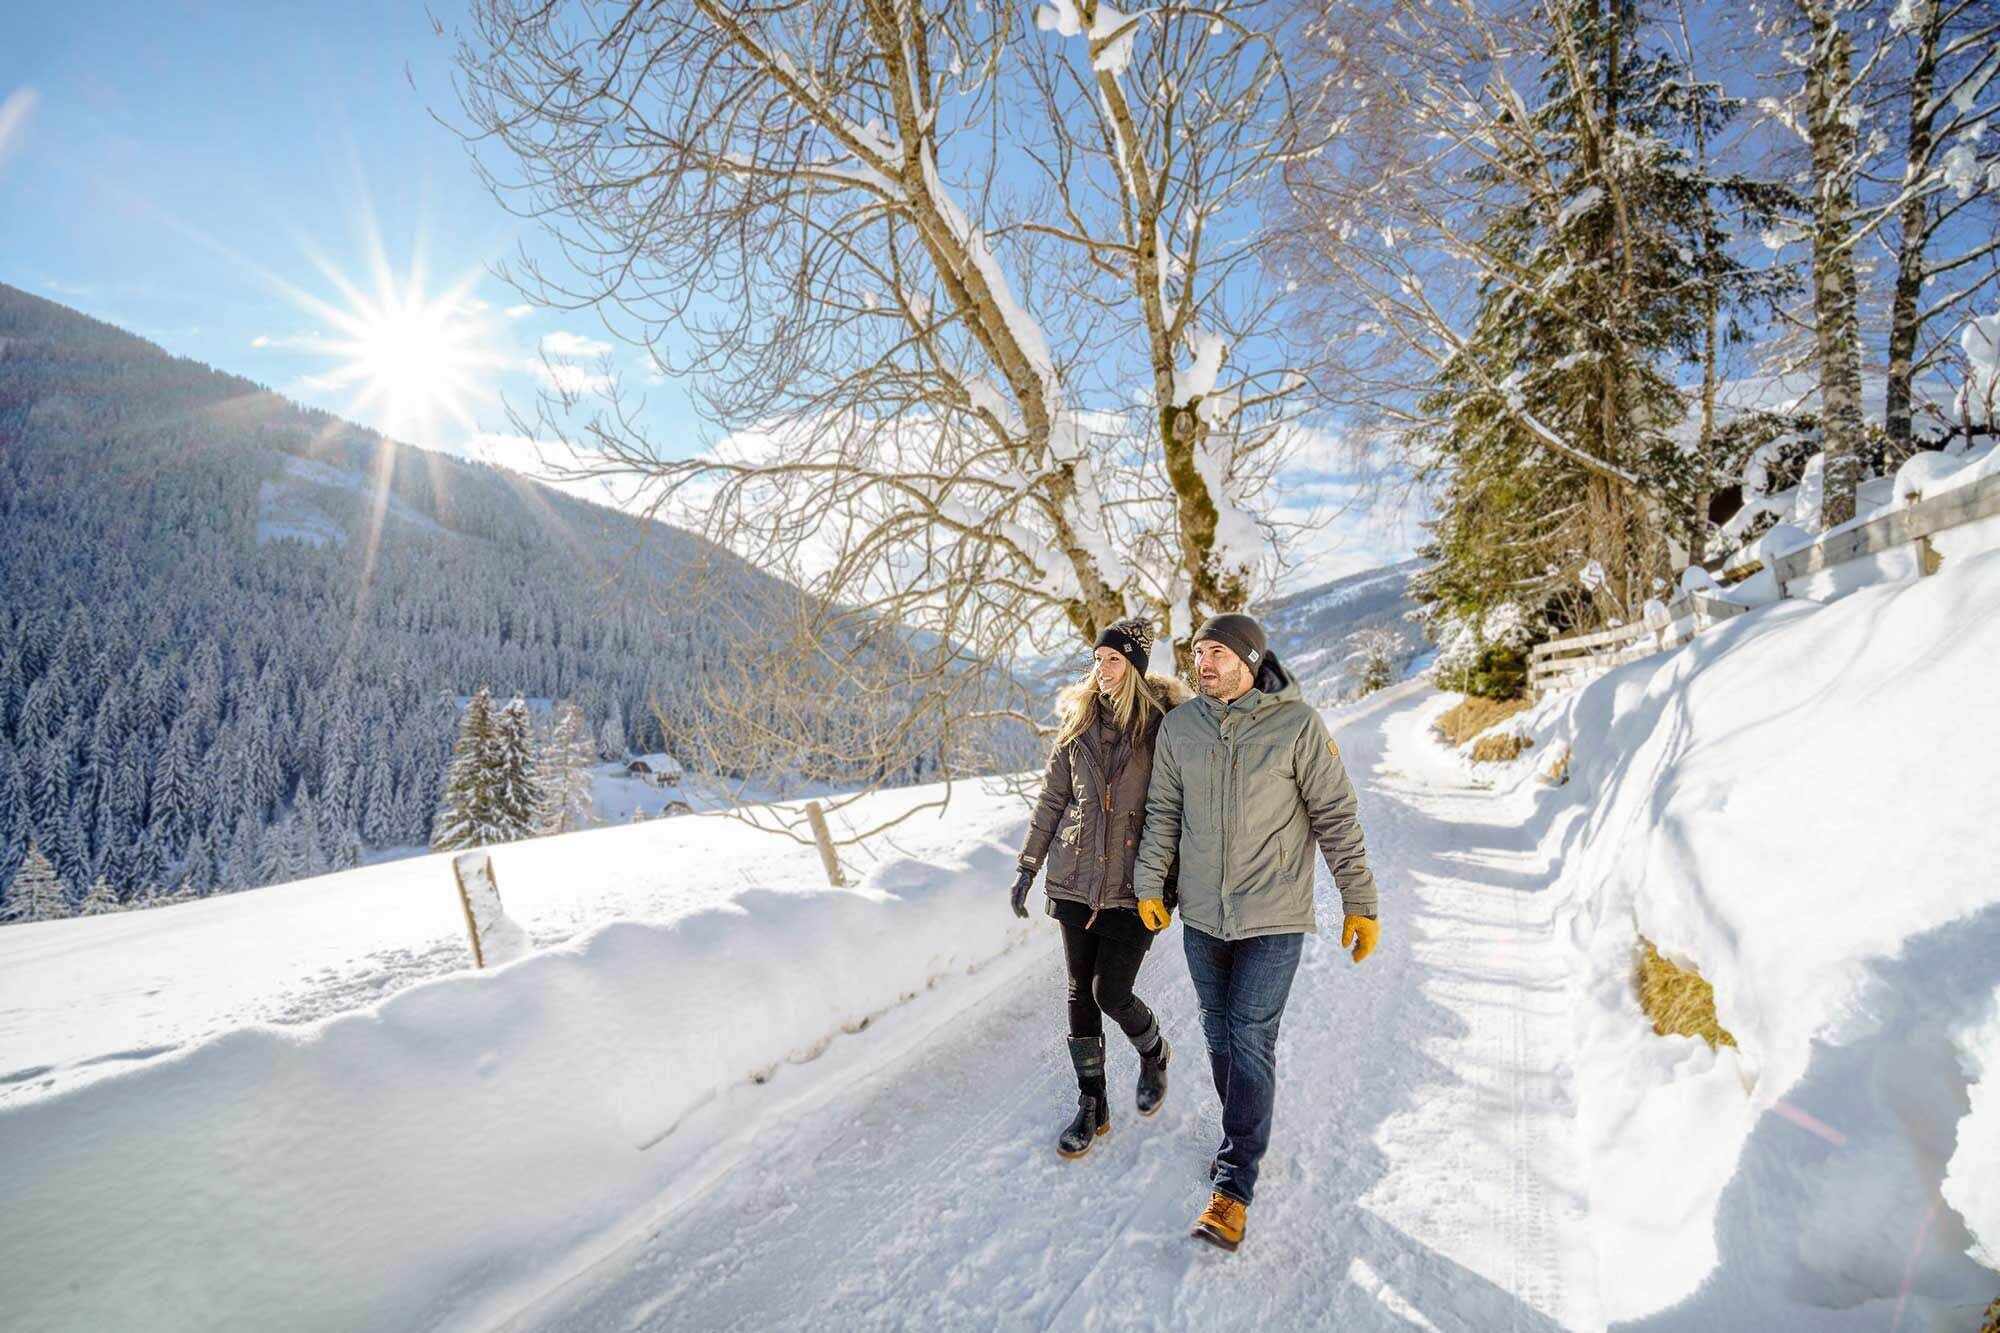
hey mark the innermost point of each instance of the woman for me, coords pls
(1092, 805)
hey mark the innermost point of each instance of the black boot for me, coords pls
(1153, 1074)
(1092, 1114)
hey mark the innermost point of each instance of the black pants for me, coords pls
(1101, 973)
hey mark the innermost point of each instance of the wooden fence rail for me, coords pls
(1560, 661)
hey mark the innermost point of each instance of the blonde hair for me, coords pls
(1076, 705)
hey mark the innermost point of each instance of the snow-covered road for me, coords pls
(1422, 1172)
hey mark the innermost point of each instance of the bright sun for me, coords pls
(412, 362)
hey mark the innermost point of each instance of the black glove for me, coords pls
(1022, 883)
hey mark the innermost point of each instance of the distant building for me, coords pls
(658, 770)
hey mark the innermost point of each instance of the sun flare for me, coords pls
(412, 362)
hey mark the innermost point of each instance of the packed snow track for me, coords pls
(1422, 1173)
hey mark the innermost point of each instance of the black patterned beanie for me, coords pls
(1132, 637)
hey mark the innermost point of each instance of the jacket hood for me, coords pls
(1274, 680)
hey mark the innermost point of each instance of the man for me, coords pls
(1245, 781)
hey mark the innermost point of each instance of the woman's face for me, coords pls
(1111, 669)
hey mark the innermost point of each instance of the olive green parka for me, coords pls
(1240, 794)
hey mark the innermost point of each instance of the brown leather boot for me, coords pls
(1221, 1223)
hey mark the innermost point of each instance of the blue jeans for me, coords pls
(1242, 986)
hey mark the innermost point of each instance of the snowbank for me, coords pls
(89, 998)
(387, 1167)
(1800, 805)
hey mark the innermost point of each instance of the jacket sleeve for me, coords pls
(1160, 840)
(1331, 809)
(1050, 807)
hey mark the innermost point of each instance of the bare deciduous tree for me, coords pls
(971, 302)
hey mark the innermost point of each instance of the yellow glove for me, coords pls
(1360, 933)
(1154, 913)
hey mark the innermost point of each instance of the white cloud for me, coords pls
(569, 379)
(14, 112)
(519, 311)
(1341, 513)
(573, 346)
(295, 342)
(559, 367)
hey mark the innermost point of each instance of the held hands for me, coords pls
(1154, 914)
(1022, 883)
(1360, 934)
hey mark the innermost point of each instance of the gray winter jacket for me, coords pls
(1241, 792)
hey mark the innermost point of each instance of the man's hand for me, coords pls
(1022, 883)
(1154, 913)
(1360, 933)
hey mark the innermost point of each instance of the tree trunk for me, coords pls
(1836, 329)
(1916, 227)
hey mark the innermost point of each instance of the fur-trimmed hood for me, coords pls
(1171, 691)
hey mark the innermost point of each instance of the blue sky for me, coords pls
(209, 175)
(193, 171)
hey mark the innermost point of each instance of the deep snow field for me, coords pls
(718, 1095)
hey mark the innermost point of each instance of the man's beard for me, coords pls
(1225, 687)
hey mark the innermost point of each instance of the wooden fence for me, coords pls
(1562, 662)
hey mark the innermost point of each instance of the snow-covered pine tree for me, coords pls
(611, 738)
(564, 772)
(1372, 658)
(36, 894)
(242, 869)
(101, 900)
(347, 849)
(199, 870)
(313, 833)
(1594, 273)
(378, 807)
(465, 813)
(513, 763)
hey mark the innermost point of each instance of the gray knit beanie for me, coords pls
(1239, 634)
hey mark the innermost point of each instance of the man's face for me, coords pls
(1223, 675)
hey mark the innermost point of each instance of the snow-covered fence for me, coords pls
(1916, 523)
(1555, 663)
(1562, 662)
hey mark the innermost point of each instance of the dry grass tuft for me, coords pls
(1679, 1003)
(1467, 719)
(1498, 749)
(1992, 1324)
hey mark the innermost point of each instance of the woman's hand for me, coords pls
(1022, 883)
(1154, 914)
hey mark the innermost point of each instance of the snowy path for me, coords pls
(1422, 1173)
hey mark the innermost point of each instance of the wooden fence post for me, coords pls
(816, 816)
(458, 869)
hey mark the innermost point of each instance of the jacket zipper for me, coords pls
(1104, 785)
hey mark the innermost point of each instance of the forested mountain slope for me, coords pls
(235, 632)
(1315, 629)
